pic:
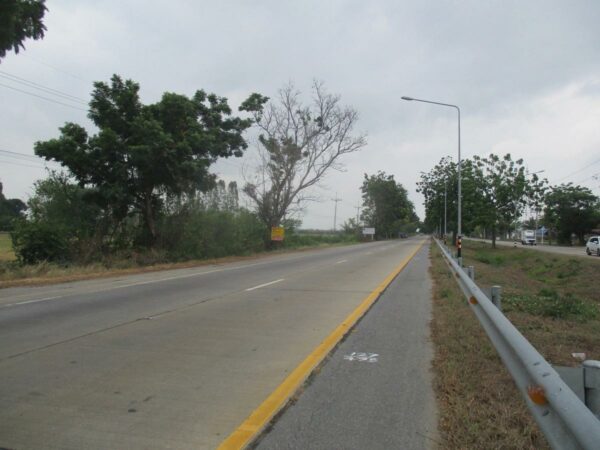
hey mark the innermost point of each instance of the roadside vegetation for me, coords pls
(6, 252)
(548, 298)
(498, 193)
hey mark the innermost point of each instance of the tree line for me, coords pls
(142, 181)
(497, 191)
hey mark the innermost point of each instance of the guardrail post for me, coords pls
(497, 297)
(471, 272)
(591, 382)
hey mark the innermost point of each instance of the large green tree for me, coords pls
(438, 187)
(143, 152)
(495, 191)
(386, 206)
(571, 210)
(20, 20)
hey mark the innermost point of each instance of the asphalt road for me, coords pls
(176, 359)
(375, 391)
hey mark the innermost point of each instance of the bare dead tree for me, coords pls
(298, 145)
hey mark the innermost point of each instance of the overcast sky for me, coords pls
(526, 75)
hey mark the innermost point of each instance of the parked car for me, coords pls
(593, 246)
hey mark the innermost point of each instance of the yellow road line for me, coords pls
(261, 416)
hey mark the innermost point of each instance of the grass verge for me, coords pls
(13, 274)
(479, 404)
(548, 297)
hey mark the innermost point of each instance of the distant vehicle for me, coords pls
(593, 246)
(402, 235)
(528, 237)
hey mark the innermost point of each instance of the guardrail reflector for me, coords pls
(537, 395)
(473, 300)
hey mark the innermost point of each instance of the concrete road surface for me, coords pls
(375, 391)
(170, 360)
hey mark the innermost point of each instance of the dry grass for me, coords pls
(479, 405)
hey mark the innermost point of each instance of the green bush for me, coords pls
(214, 234)
(550, 303)
(34, 242)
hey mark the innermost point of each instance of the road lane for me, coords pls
(176, 362)
(569, 251)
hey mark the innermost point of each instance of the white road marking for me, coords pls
(140, 283)
(29, 301)
(362, 357)
(342, 261)
(266, 284)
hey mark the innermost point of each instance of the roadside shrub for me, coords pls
(34, 242)
(214, 234)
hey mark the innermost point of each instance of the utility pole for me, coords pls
(357, 214)
(336, 200)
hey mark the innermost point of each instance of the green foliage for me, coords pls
(386, 205)
(214, 234)
(572, 210)
(20, 20)
(495, 191)
(302, 239)
(34, 242)
(58, 201)
(550, 303)
(10, 210)
(144, 151)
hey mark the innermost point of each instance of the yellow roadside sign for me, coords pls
(277, 233)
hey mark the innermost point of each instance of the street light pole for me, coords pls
(445, 207)
(410, 99)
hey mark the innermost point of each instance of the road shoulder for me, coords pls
(375, 391)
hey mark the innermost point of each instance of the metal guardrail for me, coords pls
(564, 419)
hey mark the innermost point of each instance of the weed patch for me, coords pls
(549, 303)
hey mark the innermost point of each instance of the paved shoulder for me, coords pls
(375, 391)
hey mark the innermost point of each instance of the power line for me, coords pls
(588, 178)
(14, 163)
(42, 88)
(578, 171)
(55, 68)
(26, 157)
(42, 97)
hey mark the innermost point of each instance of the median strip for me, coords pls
(261, 416)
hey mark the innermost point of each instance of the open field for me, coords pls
(549, 298)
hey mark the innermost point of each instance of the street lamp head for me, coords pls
(407, 98)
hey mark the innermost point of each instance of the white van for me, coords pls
(528, 237)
